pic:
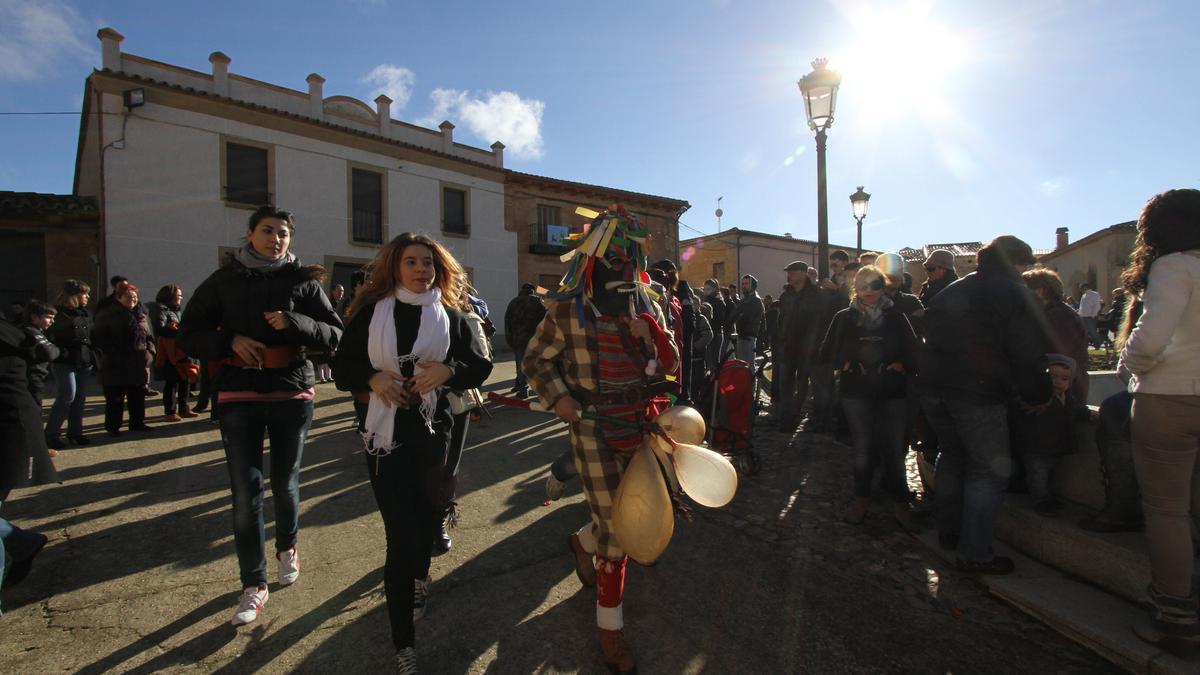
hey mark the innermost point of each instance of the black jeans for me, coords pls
(519, 358)
(407, 484)
(175, 393)
(242, 428)
(115, 398)
(877, 427)
(793, 391)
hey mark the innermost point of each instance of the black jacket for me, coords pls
(982, 344)
(717, 303)
(71, 332)
(748, 316)
(1053, 432)
(930, 289)
(41, 353)
(466, 358)
(869, 351)
(804, 318)
(521, 319)
(123, 363)
(23, 456)
(232, 301)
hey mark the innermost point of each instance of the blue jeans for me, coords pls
(519, 357)
(1090, 327)
(242, 427)
(877, 427)
(745, 349)
(1039, 474)
(68, 403)
(973, 467)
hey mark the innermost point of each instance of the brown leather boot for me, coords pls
(585, 569)
(857, 511)
(617, 656)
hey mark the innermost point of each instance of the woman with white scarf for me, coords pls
(408, 342)
(873, 346)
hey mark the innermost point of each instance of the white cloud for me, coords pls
(394, 81)
(495, 116)
(38, 37)
(1052, 187)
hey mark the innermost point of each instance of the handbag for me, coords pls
(464, 401)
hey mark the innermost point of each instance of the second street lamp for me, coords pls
(819, 89)
(859, 200)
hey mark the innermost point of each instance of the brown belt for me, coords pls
(282, 356)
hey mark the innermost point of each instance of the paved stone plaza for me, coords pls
(140, 574)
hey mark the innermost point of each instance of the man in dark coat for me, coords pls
(982, 348)
(805, 310)
(24, 459)
(521, 319)
(712, 295)
(939, 271)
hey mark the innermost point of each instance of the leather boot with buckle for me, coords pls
(617, 656)
(585, 568)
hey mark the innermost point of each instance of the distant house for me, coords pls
(1097, 259)
(727, 256)
(46, 239)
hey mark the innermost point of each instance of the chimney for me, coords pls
(110, 49)
(447, 136)
(316, 95)
(498, 151)
(383, 109)
(220, 73)
(1061, 239)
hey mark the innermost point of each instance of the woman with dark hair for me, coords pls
(172, 363)
(126, 345)
(259, 314)
(873, 345)
(1062, 331)
(72, 333)
(407, 343)
(1163, 354)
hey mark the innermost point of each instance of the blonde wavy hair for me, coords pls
(383, 275)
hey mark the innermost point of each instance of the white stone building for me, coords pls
(178, 159)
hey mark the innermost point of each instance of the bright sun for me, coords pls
(899, 60)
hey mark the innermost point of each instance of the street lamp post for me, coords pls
(819, 89)
(858, 201)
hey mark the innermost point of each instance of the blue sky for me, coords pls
(963, 119)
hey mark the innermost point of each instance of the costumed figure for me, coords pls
(603, 349)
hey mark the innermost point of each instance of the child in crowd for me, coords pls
(38, 317)
(1043, 436)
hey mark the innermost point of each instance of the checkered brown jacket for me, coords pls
(562, 356)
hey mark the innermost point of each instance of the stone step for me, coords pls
(1095, 619)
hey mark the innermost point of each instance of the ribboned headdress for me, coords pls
(614, 236)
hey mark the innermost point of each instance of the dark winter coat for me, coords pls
(42, 353)
(869, 352)
(466, 358)
(71, 332)
(521, 319)
(982, 343)
(717, 303)
(930, 289)
(23, 456)
(1063, 333)
(233, 300)
(748, 317)
(165, 322)
(124, 356)
(1053, 432)
(804, 317)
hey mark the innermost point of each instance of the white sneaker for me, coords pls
(554, 488)
(251, 602)
(289, 566)
(406, 661)
(420, 598)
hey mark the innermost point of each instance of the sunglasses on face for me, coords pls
(873, 285)
(931, 268)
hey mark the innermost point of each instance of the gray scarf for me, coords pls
(253, 260)
(873, 315)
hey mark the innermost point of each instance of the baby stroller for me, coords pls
(728, 406)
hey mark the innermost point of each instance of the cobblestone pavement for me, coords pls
(140, 576)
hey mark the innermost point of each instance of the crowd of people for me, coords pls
(984, 375)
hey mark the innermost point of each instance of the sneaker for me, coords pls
(554, 488)
(289, 566)
(420, 597)
(252, 600)
(406, 661)
(997, 565)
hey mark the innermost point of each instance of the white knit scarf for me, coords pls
(432, 344)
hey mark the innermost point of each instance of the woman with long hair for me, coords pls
(126, 344)
(259, 315)
(170, 361)
(1162, 352)
(873, 345)
(72, 334)
(408, 342)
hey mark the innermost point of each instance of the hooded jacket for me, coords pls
(233, 300)
(23, 456)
